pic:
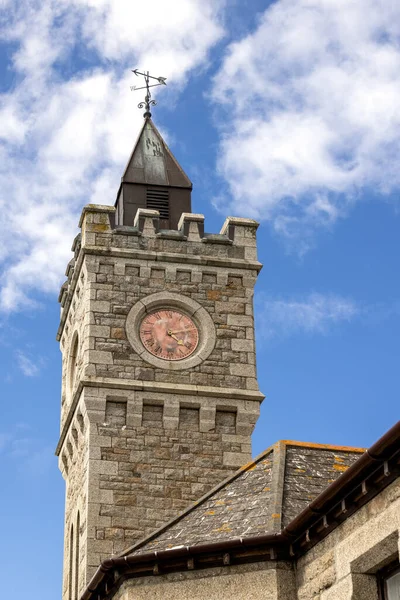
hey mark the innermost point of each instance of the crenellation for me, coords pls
(63, 465)
(74, 433)
(80, 422)
(69, 271)
(147, 221)
(69, 449)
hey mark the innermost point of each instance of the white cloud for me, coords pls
(313, 98)
(65, 136)
(314, 314)
(166, 35)
(30, 367)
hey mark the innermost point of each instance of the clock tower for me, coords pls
(159, 387)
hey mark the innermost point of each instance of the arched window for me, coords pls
(77, 557)
(72, 363)
(71, 562)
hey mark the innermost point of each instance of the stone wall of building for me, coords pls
(344, 565)
(73, 463)
(262, 581)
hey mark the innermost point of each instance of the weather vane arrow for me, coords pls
(147, 100)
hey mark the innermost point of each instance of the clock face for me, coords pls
(169, 334)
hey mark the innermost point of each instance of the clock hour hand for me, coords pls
(171, 334)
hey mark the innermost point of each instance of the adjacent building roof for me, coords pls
(261, 498)
(321, 485)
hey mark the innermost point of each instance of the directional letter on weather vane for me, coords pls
(147, 100)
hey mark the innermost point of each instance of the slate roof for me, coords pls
(261, 498)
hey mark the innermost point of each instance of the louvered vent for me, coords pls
(157, 199)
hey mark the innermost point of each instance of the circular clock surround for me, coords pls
(169, 334)
(144, 323)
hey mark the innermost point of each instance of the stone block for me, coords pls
(100, 306)
(99, 331)
(242, 345)
(236, 308)
(236, 459)
(250, 253)
(99, 357)
(103, 467)
(118, 333)
(207, 418)
(242, 370)
(119, 268)
(240, 320)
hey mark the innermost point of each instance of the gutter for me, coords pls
(152, 563)
(373, 471)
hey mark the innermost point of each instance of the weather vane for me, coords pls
(147, 100)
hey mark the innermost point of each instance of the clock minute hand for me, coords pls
(183, 330)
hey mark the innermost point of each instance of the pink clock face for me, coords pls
(169, 334)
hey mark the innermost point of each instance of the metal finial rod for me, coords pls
(147, 99)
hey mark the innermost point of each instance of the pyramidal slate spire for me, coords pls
(153, 179)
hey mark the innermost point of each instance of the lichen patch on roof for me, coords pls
(308, 472)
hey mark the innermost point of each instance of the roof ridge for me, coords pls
(323, 446)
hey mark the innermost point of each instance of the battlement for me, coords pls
(95, 224)
(234, 246)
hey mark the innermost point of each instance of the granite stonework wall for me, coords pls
(344, 565)
(261, 581)
(158, 437)
(149, 461)
(73, 463)
(73, 343)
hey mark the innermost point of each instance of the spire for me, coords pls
(152, 162)
(153, 178)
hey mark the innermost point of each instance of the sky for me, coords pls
(287, 112)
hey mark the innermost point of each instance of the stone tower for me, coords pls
(159, 388)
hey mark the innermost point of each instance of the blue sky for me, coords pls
(287, 112)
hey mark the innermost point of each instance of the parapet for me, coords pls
(95, 224)
(233, 247)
